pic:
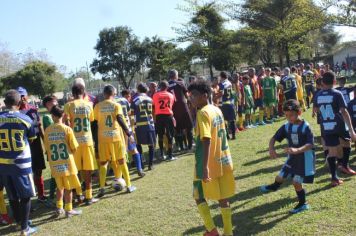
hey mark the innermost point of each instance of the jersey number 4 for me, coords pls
(327, 112)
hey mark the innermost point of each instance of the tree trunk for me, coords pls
(299, 56)
(286, 50)
(211, 70)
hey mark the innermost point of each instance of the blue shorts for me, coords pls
(333, 140)
(228, 112)
(18, 187)
(258, 102)
(145, 136)
(131, 145)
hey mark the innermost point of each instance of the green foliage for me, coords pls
(120, 55)
(39, 78)
(343, 12)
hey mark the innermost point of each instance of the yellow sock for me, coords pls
(241, 121)
(268, 112)
(59, 204)
(125, 172)
(3, 209)
(226, 217)
(69, 206)
(261, 115)
(89, 193)
(117, 170)
(102, 175)
(205, 214)
(253, 118)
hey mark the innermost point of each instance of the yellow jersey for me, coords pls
(80, 113)
(109, 129)
(300, 92)
(211, 125)
(60, 144)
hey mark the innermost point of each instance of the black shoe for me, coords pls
(150, 167)
(89, 202)
(141, 174)
(101, 193)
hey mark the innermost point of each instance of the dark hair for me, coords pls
(109, 90)
(342, 79)
(163, 85)
(245, 77)
(77, 90)
(291, 105)
(328, 78)
(223, 74)
(293, 69)
(12, 98)
(125, 92)
(142, 88)
(47, 99)
(57, 111)
(172, 73)
(202, 86)
(307, 67)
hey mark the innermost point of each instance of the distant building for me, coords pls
(345, 55)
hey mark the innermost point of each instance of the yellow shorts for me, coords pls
(84, 158)
(217, 189)
(112, 151)
(67, 182)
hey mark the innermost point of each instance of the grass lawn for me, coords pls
(163, 203)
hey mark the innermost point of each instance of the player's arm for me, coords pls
(345, 114)
(121, 120)
(272, 150)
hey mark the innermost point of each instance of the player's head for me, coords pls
(172, 74)
(49, 101)
(292, 110)
(163, 85)
(268, 71)
(79, 81)
(109, 91)
(223, 75)
(12, 99)
(286, 71)
(57, 113)
(23, 93)
(126, 94)
(328, 79)
(307, 67)
(200, 92)
(293, 69)
(141, 88)
(342, 81)
(215, 81)
(245, 79)
(78, 90)
(192, 79)
(251, 72)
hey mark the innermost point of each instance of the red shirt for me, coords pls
(163, 103)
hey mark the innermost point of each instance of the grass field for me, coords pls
(163, 203)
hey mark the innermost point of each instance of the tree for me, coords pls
(39, 78)
(120, 55)
(343, 12)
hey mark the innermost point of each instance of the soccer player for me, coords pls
(300, 165)
(269, 87)
(181, 112)
(289, 85)
(351, 108)
(16, 131)
(308, 81)
(37, 154)
(331, 105)
(141, 107)
(227, 101)
(79, 114)
(162, 105)
(214, 177)
(248, 103)
(124, 101)
(300, 92)
(111, 145)
(60, 144)
(257, 96)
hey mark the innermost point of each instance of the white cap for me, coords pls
(79, 81)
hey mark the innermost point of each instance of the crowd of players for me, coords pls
(92, 135)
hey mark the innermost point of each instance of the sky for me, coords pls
(68, 29)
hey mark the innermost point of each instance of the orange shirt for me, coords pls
(163, 103)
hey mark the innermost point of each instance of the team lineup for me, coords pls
(91, 137)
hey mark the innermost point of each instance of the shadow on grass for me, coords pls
(266, 170)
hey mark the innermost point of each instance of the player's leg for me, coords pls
(226, 216)
(344, 161)
(302, 204)
(277, 182)
(39, 182)
(79, 164)
(160, 128)
(137, 158)
(332, 144)
(70, 182)
(88, 162)
(125, 172)
(169, 132)
(59, 196)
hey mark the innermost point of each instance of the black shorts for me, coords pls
(228, 112)
(37, 156)
(145, 135)
(18, 186)
(165, 125)
(309, 89)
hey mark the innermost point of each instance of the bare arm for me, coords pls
(206, 153)
(272, 151)
(347, 119)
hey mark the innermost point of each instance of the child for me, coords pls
(214, 177)
(269, 87)
(331, 105)
(352, 110)
(301, 158)
(60, 144)
(248, 102)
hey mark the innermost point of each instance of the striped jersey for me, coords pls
(142, 107)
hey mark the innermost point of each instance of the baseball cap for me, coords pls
(22, 91)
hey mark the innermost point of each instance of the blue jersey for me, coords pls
(289, 85)
(16, 129)
(308, 77)
(142, 108)
(330, 102)
(32, 112)
(351, 108)
(302, 164)
(226, 88)
(125, 110)
(345, 93)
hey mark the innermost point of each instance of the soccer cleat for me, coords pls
(73, 213)
(242, 129)
(248, 127)
(29, 231)
(150, 167)
(131, 189)
(171, 158)
(5, 219)
(80, 199)
(347, 170)
(214, 232)
(261, 123)
(299, 208)
(264, 189)
(60, 211)
(101, 193)
(162, 157)
(91, 201)
(141, 174)
(336, 182)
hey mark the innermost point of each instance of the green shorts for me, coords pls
(269, 102)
